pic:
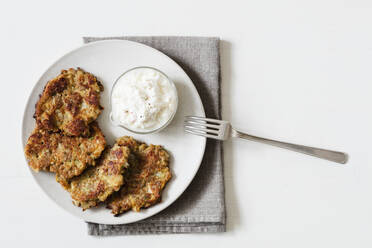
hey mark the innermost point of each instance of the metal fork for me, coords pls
(222, 130)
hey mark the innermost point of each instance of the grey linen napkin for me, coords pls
(201, 208)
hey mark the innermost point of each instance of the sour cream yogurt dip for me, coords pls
(143, 100)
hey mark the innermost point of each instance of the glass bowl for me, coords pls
(116, 123)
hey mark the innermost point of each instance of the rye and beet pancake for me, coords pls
(99, 182)
(65, 155)
(68, 141)
(146, 177)
(69, 103)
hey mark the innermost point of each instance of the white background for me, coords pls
(299, 71)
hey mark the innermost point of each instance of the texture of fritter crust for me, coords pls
(69, 103)
(145, 179)
(99, 182)
(65, 155)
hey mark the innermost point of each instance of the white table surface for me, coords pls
(300, 71)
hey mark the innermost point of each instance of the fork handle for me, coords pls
(338, 157)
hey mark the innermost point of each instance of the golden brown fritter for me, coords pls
(145, 179)
(69, 103)
(99, 182)
(65, 155)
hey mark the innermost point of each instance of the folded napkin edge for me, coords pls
(96, 231)
(96, 38)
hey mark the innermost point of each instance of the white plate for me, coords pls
(107, 60)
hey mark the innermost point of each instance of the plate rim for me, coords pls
(28, 102)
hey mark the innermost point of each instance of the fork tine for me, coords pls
(199, 131)
(196, 118)
(201, 124)
(202, 129)
(201, 134)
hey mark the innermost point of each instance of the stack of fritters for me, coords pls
(137, 172)
(68, 141)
